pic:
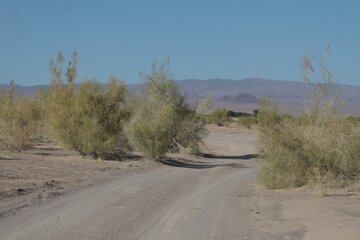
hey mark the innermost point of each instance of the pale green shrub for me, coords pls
(318, 147)
(19, 120)
(297, 152)
(162, 122)
(220, 116)
(247, 121)
(89, 119)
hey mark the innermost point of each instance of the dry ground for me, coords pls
(47, 171)
(210, 197)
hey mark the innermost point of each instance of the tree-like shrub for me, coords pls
(220, 116)
(318, 147)
(162, 121)
(247, 121)
(88, 118)
(19, 120)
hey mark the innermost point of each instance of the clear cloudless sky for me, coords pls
(203, 38)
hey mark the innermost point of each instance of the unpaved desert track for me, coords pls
(171, 203)
(212, 197)
(200, 199)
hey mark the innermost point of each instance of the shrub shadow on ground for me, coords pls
(122, 156)
(235, 157)
(197, 164)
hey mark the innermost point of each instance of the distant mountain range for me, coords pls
(243, 95)
(26, 90)
(240, 98)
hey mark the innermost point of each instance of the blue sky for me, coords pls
(203, 39)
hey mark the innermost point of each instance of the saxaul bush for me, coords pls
(88, 117)
(19, 120)
(247, 121)
(162, 122)
(220, 116)
(317, 148)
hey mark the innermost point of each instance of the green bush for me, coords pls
(297, 152)
(354, 120)
(247, 121)
(318, 147)
(202, 110)
(90, 118)
(220, 116)
(162, 122)
(19, 120)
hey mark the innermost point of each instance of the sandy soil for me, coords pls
(47, 171)
(210, 197)
(330, 217)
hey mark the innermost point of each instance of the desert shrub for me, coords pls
(354, 120)
(297, 152)
(162, 121)
(220, 116)
(234, 114)
(90, 118)
(202, 110)
(318, 147)
(247, 121)
(19, 120)
(203, 107)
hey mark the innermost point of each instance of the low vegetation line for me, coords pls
(98, 120)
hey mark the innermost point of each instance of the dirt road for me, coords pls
(212, 197)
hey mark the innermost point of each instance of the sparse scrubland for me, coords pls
(95, 120)
(98, 120)
(317, 148)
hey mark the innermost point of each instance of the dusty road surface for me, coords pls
(209, 197)
(46, 171)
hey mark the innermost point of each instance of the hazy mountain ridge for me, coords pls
(243, 95)
(240, 98)
(291, 96)
(26, 90)
(257, 87)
